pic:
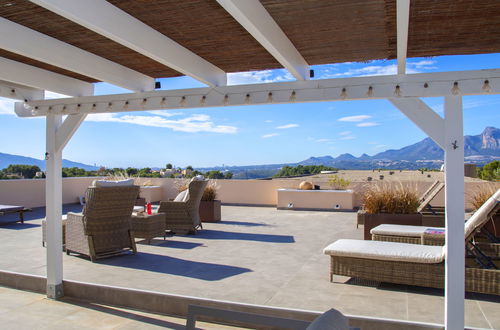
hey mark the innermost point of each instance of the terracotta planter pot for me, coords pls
(373, 220)
(210, 211)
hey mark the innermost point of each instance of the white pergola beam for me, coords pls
(30, 43)
(423, 116)
(67, 130)
(454, 203)
(31, 76)
(102, 17)
(19, 92)
(252, 15)
(383, 87)
(402, 23)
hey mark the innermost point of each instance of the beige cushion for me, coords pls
(106, 183)
(480, 217)
(386, 251)
(400, 230)
(182, 196)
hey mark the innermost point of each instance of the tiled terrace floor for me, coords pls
(255, 255)
(21, 310)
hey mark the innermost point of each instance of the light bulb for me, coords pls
(270, 97)
(370, 92)
(455, 90)
(397, 91)
(293, 96)
(226, 99)
(343, 94)
(183, 101)
(203, 100)
(486, 86)
(247, 99)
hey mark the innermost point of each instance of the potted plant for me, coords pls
(210, 207)
(387, 204)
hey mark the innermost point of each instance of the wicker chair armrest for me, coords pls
(433, 239)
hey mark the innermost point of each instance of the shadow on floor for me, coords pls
(17, 225)
(243, 223)
(229, 235)
(172, 244)
(175, 266)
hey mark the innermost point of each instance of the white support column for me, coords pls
(454, 202)
(53, 196)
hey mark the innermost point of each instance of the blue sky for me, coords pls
(248, 135)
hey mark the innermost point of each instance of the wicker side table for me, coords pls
(148, 226)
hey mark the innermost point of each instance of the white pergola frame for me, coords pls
(26, 83)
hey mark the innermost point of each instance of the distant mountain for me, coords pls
(8, 159)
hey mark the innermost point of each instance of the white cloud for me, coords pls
(192, 124)
(345, 133)
(348, 137)
(257, 77)
(268, 121)
(266, 136)
(165, 113)
(287, 126)
(354, 118)
(322, 140)
(6, 107)
(367, 124)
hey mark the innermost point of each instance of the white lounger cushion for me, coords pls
(389, 251)
(401, 230)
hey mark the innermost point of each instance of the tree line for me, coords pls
(31, 171)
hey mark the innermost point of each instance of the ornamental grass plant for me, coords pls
(386, 198)
(479, 197)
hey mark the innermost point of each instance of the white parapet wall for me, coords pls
(31, 192)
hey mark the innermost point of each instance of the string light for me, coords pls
(270, 97)
(144, 101)
(370, 92)
(110, 104)
(183, 101)
(126, 105)
(486, 86)
(93, 106)
(455, 90)
(163, 101)
(397, 91)
(343, 93)
(293, 96)
(13, 91)
(226, 99)
(247, 99)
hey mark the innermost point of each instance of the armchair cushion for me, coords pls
(106, 183)
(182, 196)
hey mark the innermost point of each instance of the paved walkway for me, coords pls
(256, 255)
(21, 310)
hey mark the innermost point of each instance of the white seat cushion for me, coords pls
(389, 251)
(182, 196)
(400, 230)
(121, 183)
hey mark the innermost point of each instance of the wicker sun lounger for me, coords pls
(183, 217)
(401, 263)
(435, 236)
(420, 265)
(103, 228)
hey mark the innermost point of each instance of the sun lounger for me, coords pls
(8, 209)
(401, 263)
(435, 235)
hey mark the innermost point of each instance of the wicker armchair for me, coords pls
(184, 217)
(103, 228)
